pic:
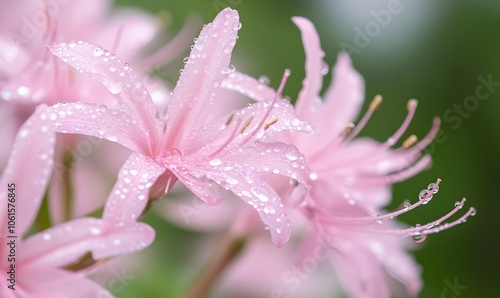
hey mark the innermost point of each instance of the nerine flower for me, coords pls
(39, 265)
(231, 152)
(31, 75)
(351, 177)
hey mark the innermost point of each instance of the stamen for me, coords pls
(246, 124)
(410, 141)
(377, 100)
(268, 124)
(230, 119)
(418, 232)
(118, 38)
(412, 106)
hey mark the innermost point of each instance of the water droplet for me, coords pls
(232, 181)
(378, 221)
(473, 211)
(46, 236)
(185, 60)
(95, 231)
(237, 26)
(23, 91)
(425, 196)
(313, 176)
(97, 51)
(431, 186)
(407, 206)
(457, 204)
(324, 68)
(292, 153)
(215, 162)
(419, 238)
(264, 80)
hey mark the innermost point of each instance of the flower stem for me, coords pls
(230, 247)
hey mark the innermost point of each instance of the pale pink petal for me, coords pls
(46, 282)
(117, 77)
(360, 273)
(200, 80)
(28, 170)
(131, 192)
(67, 242)
(173, 48)
(253, 189)
(127, 32)
(343, 99)
(248, 86)
(308, 100)
(101, 122)
(258, 122)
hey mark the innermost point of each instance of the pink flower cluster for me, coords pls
(279, 159)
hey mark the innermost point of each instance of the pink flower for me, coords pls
(39, 262)
(230, 152)
(351, 178)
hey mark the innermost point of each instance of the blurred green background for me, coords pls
(433, 51)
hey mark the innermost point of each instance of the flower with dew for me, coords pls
(229, 153)
(351, 178)
(31, 75)
(43, 264)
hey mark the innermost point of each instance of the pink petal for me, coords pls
(343, 99)
(46, 282)
(249, 186)
(101, 122)
(104, 67)
(248, 86)
(273, 158)
(66, 243)
(201, 78)
(308, 100)
(263, 126)
(360, 273)
(131, 192)
(29, 168)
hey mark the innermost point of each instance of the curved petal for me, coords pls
(343, 99)
(46, 282)
(131, 192)
(200, 80)
(104, 67)
(28, 170)
(248, 86)
(308, 100)
(67, 242)
(101, 122)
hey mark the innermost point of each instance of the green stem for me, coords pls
(230, 248)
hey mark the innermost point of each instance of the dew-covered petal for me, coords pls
(248, 86)
(200, 80)
(27, 172)
(343, 99)
(258, 122)
(47, 282)
(67, 242)
(101, 122)
(101, 65)
(249, 186)
(130, 194)
(273, 158)
(308, 100)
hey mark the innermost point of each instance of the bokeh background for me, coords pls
(433, 51)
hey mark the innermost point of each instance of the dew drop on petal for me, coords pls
(46, 236)
(215, 162)
(313, 176)
(97, 51)
(292, 153)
